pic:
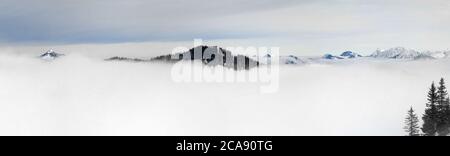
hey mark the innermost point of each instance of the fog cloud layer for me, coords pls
(79, 95)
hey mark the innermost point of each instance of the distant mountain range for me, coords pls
(394, 53)
(216, 56)
(403, 53)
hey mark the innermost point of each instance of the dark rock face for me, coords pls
(212, 56)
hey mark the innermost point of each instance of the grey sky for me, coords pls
(119, 20)
(304, 24)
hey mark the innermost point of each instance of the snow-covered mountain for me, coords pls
(344, 55)
(50, 55)
(350, 54)
(403, 53)
(397, 53)
(290, 59)
(392, 53)
(438, 54)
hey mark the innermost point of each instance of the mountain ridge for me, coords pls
(217, 56)
(209, 55)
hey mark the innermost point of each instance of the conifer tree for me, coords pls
(442, 94)
(412, 123)
(430, 118)
(443, 109)
(447, 112)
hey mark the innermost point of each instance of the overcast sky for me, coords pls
(298, 25)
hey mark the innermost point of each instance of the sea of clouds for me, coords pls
(83, 95)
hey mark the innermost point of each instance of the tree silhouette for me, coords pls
(412, 123)
(443, 108)
(430, 118)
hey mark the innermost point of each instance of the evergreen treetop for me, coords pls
(412, 123)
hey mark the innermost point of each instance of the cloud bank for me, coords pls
(78, 95)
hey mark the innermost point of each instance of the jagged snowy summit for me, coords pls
(350, 54)
(403, 53)
(396, 53)
(50, 55)
(344, 55)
